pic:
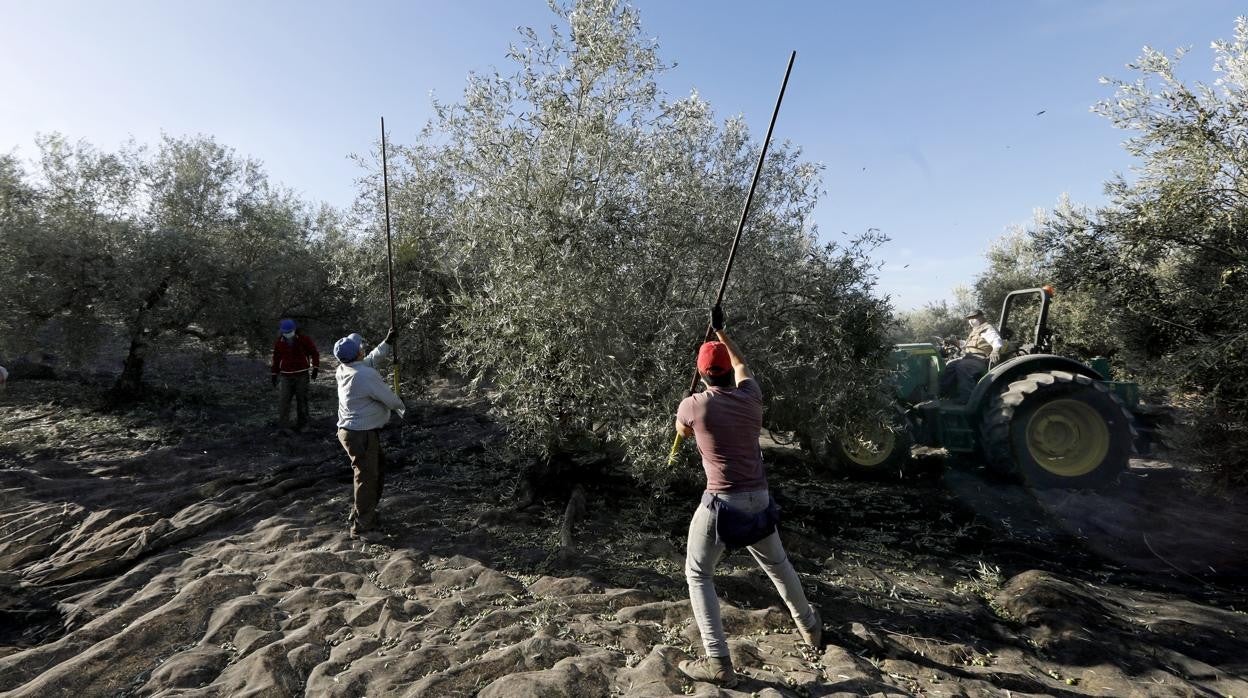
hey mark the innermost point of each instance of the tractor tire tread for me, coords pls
(995, 427)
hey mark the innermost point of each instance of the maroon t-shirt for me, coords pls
(726, 423)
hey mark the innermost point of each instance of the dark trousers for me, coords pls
(367, 462)
(960, 376)
(292, 385)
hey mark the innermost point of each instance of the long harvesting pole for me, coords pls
(385, 186)
(736, 240)
(745, 210)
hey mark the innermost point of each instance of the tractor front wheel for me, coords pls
(1058, 429)
(883, 451)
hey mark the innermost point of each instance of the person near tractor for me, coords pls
(364, 406)
(982, 350)
(736, 509)
(296, 362)
(379, 353)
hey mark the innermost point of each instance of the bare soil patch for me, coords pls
(181, 548)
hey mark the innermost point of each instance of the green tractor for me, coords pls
(1048, 420)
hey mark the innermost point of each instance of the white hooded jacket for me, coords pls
(364, 399)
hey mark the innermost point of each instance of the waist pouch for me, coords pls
(737, 529)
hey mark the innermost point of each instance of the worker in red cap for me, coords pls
(736, 510)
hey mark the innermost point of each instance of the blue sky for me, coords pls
(925, 113)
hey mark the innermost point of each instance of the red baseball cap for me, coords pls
(713, 359)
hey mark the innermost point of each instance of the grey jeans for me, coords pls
(703, 554)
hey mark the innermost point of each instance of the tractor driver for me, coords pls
(983, 349)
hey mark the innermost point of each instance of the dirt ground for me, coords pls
(181, 548)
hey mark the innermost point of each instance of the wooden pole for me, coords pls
(745, 210)
(385, 185)
(736, 240)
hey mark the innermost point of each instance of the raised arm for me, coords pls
(381, 351)
(739, 369)
(378, 354)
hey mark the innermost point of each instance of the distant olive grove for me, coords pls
(185, 238)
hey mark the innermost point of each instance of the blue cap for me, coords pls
(286, 325)
(346, 350)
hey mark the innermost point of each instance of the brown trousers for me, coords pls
(367, 462)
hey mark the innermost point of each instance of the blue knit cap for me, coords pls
(346, 350)
(286, 325)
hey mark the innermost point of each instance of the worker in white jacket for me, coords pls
(364, 406)
(980, 352)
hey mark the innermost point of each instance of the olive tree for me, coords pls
(569, 223)
(1168, 256)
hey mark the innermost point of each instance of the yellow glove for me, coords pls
(671, 457)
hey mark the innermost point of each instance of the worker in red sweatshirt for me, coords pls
(296, 362)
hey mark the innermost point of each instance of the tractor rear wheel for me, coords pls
(1058, 429)
(882, 452)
